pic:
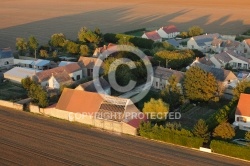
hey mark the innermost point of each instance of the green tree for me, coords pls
(224, 131)
(84, 50)
(184, 34)
(200, 85)
(174, 59)
(72, 47)
(57, 40)
(242, 87)
(21, 46)
(156, 109)
(247, 136)
(26, 83)
(38, 95)
(172, 93)
(195, 31)
(201, 130)
(32, 44)
(87, 36)
(44, 53)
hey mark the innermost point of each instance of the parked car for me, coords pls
(241, 141)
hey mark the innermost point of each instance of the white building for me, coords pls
(168, 32)
(246, 47)
(16, 74)
(59, 79)
(202, 42)
(233, 59)
(242, 114)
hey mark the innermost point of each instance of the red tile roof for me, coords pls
(247, 42)
(153, 35)
(46, 74)
(170, 29)
(243, 107)
(78, 101)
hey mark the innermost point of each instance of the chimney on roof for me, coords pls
(197, 58)
(206, 33)
(105, 47)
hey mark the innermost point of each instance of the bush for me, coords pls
(230, 149)
(181, 137)
(136, 41)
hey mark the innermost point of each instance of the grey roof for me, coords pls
(202, 39)
(220, 74)
(89, 86)
(6, 53)
(62, 77)
(173, 42)
(234, 54)
(20, 72)
(64, 63)
(165, 73)
(40, 62)
(224, 57)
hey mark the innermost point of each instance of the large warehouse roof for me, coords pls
(18, 73)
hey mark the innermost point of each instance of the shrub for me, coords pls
(230, 149)
(181, 137)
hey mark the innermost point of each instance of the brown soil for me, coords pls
(43, 18)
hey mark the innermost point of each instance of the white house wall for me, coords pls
(75, 74)
(243, 125)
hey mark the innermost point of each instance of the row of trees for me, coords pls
(192, 31)
(22, 45)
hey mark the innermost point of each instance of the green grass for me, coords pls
(137, 32)
(11, 91)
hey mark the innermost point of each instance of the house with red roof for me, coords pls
(153, 35)
(168, 32)
(242, 114)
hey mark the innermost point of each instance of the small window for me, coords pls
(241, 119)
(78, 77)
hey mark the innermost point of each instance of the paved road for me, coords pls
(29, 139)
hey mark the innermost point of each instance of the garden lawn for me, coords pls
(12, 91)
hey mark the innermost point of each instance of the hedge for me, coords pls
(179, 137)
(137, 41)
(230, 149)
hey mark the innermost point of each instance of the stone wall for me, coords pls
(12, 105)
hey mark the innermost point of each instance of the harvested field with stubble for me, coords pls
(43, 18)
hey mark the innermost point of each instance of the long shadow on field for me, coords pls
(108, 20)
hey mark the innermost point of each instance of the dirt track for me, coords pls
(27, 139)
(43, 18)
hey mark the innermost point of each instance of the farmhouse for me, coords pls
(59, 79)
(6, 57)
(233, 59)
(107, 112)
(87, 65)
(73, 70)
(162, 75)
(91, 87)
(168, 32)
(202, 42)
(153, 35)
(16, 74)
(242, 114)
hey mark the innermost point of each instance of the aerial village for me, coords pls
(204, 77)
